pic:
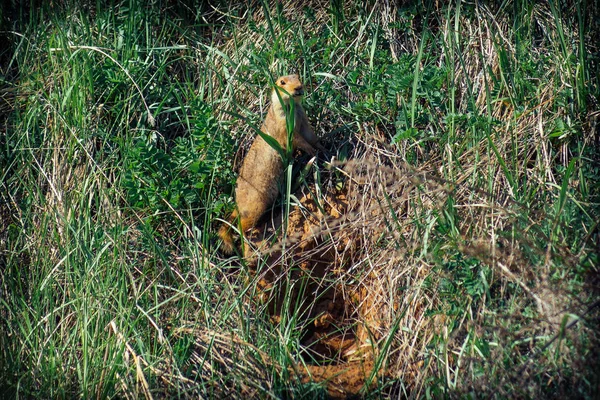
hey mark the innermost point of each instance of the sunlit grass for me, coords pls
(462, 153)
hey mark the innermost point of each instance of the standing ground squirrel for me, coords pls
(257, 186)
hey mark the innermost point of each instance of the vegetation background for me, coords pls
(463, 139)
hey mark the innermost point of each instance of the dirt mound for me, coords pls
(342, 380)
(338, 266)
(313, 255)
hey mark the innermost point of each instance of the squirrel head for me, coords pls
(288, 87)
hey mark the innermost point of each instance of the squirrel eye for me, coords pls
(282, 82)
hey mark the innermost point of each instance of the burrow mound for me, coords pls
(306, 269)
(316, 262)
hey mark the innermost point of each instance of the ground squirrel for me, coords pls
(257, 185)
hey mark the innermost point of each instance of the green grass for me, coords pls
(464, 141)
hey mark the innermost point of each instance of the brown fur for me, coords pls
(258, 182)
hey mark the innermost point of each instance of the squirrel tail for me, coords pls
(227, 247)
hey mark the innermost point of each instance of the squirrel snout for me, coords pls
(299, 91)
